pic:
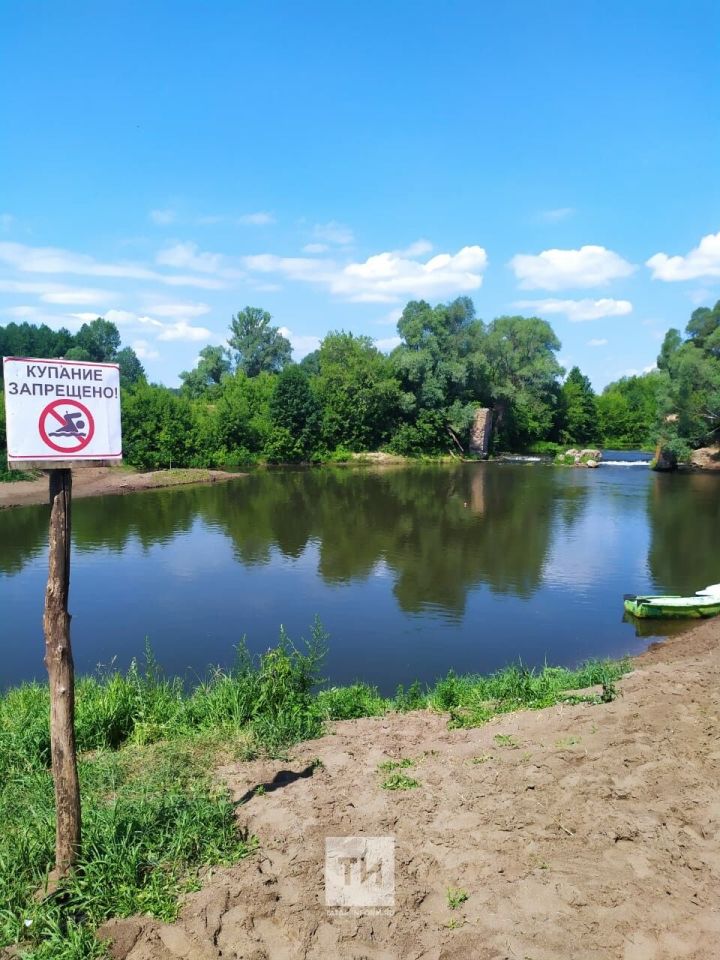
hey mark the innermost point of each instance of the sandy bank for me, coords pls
(107, 480)
(577, 832)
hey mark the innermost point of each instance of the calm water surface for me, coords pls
(413, 570)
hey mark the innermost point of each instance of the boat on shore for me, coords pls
(705, 603)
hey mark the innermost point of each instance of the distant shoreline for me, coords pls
(104, 481)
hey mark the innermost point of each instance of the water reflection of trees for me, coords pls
(23, 534)
(684, 514)
(438, 530)
(150, 518)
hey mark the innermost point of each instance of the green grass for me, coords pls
(399, 781)
(387, 766)
(394, 779)
(12, 476)
(153, 818)
(474, 699)
(456, 897)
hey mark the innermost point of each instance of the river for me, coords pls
(413, 570)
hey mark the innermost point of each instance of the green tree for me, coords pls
(359, 392)
(441, 367)
(311, 363)
(628, 411)
(131, 370)
(101, 340)
(523, 372)
(79, 353)
(296, 415)
(26, 340)
(670, 345)
(157, 428)
(689, 385)
(704, 329)
(577, 413)
(213, 364)
(258, 346)
(243, 421)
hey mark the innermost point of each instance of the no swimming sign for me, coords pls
(61, 411)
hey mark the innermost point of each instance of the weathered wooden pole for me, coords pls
(61, 674)
(60, 412)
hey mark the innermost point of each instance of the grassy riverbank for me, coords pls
(154, 818)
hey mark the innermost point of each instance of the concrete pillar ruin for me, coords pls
(480, 432)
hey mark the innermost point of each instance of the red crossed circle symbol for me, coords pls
(58, 421)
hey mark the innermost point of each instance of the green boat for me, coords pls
(705, 603)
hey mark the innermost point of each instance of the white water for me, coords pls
(517, 458)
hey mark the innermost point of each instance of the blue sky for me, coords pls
(165, 164)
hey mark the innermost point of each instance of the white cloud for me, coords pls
(163, 217)
(37, 315)
(590, 266)
(128, 320)
(57, 292)
(192, 309)
(179, 330)
(702, 261)
(295, 268)
(333, 232)
(55, 260)
(578, 311)
(315, 248)
(188, 256)
(75, 296)
(144, 350)
(21, 312)
(259, 219)
(390, 319)
(120, 317)
(386, 344)
(182, 330)
(559, 213)
(383, 278)
(597, 343)
(416, 249)
(634, 372)
(302, 344)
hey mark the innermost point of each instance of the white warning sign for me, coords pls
(62, 410)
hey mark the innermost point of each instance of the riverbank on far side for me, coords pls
(103, 481)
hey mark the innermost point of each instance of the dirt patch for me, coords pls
(107, 480)
(586, 832)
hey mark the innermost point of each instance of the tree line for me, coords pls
(248, 401)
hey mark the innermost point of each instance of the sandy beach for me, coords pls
(102, 481)
(588, 832)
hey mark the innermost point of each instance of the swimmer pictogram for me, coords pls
(66, 426)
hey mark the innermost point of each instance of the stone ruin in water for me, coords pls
(480, 432)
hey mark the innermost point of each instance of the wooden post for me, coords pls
(61, 674)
